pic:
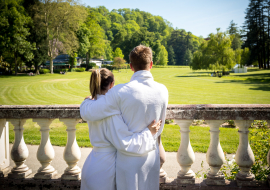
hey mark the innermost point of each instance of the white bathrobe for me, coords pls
(98, 172)
(139, 102)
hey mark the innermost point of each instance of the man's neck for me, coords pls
(142, 70)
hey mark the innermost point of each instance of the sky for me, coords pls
(201, 17)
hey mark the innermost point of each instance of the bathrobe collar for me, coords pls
(141, 75)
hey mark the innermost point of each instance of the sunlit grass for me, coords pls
(184, 86)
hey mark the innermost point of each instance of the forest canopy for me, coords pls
(49, 28)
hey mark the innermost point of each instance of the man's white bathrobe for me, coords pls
(107, 135)
(139, 102)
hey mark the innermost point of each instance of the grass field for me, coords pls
(199, 136)
(184, 85)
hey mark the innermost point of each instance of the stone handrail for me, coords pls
(213, 114)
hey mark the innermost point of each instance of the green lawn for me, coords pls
(184, 85)
(199, 136)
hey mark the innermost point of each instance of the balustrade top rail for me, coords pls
(195, 111)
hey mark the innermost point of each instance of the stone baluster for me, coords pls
(19, 151)
(268, 156)
(4, 148)
(72, 153)
(162, 173)
(244, 156)
(185, 154)
(215, 156)
(45, 153)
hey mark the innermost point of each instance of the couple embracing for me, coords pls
(125, 123)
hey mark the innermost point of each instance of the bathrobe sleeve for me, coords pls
(105, 106)
(165, 96)
(135, 144)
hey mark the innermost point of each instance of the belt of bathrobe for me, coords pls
(104, 149)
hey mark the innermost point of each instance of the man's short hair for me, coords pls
(140, 57)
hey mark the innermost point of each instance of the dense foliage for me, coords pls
(48, 28)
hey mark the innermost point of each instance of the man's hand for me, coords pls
(154, 127)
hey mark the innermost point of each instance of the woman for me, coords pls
(99, 168)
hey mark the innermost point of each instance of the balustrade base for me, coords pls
(4, 172)
(246, 180)
(19, 175)
(162, 179)
(45, 175)
(217, 179)
(186, 180)
(209, 181)
(71, 177)
(253, 183)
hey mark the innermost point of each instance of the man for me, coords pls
(140, 101)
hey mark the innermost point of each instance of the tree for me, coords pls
(14, 32)
(171, 56)
(234, 32)
(215, 54)
(61, 19)
(163, 56)
(256, 34)
(188, 57)
(118, 53)
(72, 59)
(119, 63)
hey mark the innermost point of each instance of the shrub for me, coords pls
(83, 65)
(109, 67)
(44, 71)
(91, 65)
(60, 70)
(82, 69)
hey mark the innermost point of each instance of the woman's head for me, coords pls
(100, 82)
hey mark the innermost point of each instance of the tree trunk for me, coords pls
(36, 69)
(87, 58)
(16, 66)
(51, 65)
(268, 53)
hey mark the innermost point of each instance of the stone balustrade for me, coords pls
(21, 175)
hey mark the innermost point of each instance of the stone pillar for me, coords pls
(72, 153)
(45, 153)
(185, 154)
(268, 156)
(4, 148)
(215, 156)
(162, 173)
(19, 151)
(244, 156)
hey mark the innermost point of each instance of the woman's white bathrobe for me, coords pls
(106, 136)
(139, 102)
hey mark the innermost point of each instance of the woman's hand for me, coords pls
(88, 97)
(154, 127)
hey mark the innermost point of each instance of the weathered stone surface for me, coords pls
(23, 175)
(56, 183)
(4, 172)
(45, 175)
(219, 111)
(199, 111)
(201, 185)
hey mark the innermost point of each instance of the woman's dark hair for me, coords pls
(99, 81)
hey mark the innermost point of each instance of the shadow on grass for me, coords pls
(255, 75)
(12, 76)
(259, 83)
